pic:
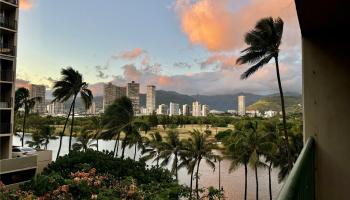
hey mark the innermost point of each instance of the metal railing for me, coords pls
(7, 50)
(5, 128)
(12, 1)
(300, 183)
(8, 23)
(6, 75)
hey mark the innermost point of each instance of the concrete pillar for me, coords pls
(326, 93)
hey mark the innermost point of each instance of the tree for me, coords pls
(264, 41)
(23, 99)
(153, 147)
(36, 142)
(70, 86)
(118, 117)
(84, 141)
(153, 120)
(171, 147)
(203, 149)
(97, 127)
(47, 133)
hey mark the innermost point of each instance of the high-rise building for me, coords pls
(38, 91)
(205, 110)
(241, 105)
(162, 109)
(185, 110)
(133, 92)
(111, 93)
(151, 99)
(55, 108)
(8, 49)
(173, 109)
(196, 109)
(92, 109)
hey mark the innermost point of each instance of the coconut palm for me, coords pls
(47, 133)
(171, 148)
(152, 147)
(263, 45)
(70, 86)
(23, 99)
(84, 140)
(36, 142)
(203, 149)
(97, 127)
(118, 117)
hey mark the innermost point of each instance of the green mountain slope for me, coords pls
(273, 102)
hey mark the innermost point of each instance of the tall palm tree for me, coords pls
(153, 147)
(263, 45)
(188, 160)
(84, 140)
(97, 127)
(171, 148)
(47, 133)
(70, 86)
(203, 149)
(23, 99)
(118, 117)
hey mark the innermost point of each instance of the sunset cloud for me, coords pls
(132, 54)
(219, 61)
(215, 25)
(25, 4)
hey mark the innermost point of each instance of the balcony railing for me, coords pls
(8, 23)
(12, 1)
(5, 128)
(300, 183)
(6, 75)
(7, 50)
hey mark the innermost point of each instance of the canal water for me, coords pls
(233, 183)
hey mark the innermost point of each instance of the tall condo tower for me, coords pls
(8, 49)
(241, 105)
(111, 93)
(133, 92)
(38, 91)
(151, 99)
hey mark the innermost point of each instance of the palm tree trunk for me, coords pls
(191, 183)
(197, 178)
(24, 125)
(62, 134)
(257, 182)
(219, 176)
(97, 144)
(115, 147)
(72, 125)
(118, 140)
(135, 151)
(286, 140)
(123, 148)
(245, 180)
(176, 174)
(157, 160)
(270, 190)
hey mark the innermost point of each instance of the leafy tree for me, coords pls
(263, 45)
(70, 86)
(188, 159)
(47, 133)
(23, 99)
(153, 147)
(97, 127)
(153, 120)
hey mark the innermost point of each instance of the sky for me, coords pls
(188, 46)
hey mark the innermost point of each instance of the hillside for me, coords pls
(273, 102)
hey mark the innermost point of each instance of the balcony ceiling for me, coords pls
(323, 17)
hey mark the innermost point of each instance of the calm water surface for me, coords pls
(233, 183)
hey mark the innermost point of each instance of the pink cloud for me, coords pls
(132, 54)
(25, 4)
(22, 83)
(216, 26)
(219, 61)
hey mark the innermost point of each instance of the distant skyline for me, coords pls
(186, 46)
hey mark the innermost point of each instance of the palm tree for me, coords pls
(153, 147)
(118, 118)
(264, 41)
(36, 142)
(171, 147)
(188, 160)
(96, 125)
(70, 86)
(23, 99)
(47, 133)
(203, 149)
(84, 141)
